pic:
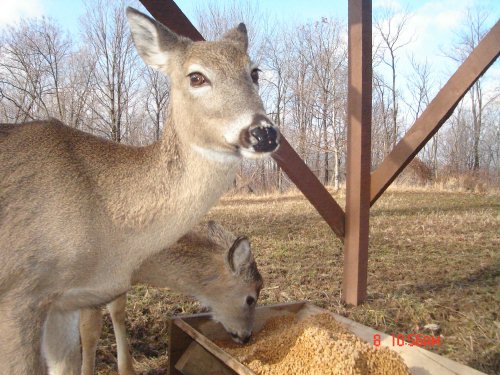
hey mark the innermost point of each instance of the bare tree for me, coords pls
(106, 33)
(389, 27)
(275, 86)
(80, 82)
(54, 50)
(469, 37)
(301, 94)
(327, 54)
(491, 140)
(33, 56)
(456, 142)
(156, 98)
(381, 122)
(213, 18)
(419, 85)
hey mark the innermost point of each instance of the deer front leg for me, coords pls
(90, 332)
(61, 342)
(117, 310)
(20, 337)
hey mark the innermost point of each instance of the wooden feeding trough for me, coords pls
(192, 350)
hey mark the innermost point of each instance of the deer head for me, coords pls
(215, 106)
(232, 292)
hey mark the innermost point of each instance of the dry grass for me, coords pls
(434, 258)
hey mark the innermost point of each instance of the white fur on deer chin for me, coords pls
(216, 156)
(250, 154)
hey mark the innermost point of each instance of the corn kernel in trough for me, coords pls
(316, 345)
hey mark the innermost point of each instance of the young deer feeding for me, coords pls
(78, 213)
(215, 267)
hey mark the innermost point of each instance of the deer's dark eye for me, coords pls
(197, 79)
(250, 300)
(255, 76)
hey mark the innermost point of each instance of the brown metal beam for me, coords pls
(310, 186)
(169, 14)
(437, 112)
(359, 111)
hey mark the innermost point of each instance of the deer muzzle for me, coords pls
(261, 135)
(243, 339)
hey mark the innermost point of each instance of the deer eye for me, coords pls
(255, 75)
(197, 79)
(250, 300)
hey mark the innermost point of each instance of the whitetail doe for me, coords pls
(78, 213)
(211, 265)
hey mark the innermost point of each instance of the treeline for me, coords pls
(96, 82)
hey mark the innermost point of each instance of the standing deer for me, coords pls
(216, 268)
(78, 213)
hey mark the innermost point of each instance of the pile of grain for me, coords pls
(314, 345)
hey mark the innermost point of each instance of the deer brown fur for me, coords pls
(78, 213)
(210, 264)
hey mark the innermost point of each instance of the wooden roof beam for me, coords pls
(169, 14)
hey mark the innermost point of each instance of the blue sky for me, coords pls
(431, 27)
(67, 12)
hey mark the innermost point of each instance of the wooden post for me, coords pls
(358, 151)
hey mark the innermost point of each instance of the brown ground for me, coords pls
(434, 258)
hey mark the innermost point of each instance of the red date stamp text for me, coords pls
(411, 339)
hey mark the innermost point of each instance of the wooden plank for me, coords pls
(437, 112)
(310, 186)
(418, 360)
(194, 326)
(358, 151)
(201, 339)
(196, 360)
(178, 342)
(169, 14)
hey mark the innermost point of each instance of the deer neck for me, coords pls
(174, 184)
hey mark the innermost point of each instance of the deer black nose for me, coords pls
(246, 338)
(264, 137)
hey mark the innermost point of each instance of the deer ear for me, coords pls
(240, 254)
(238, 34)
(155, 43)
